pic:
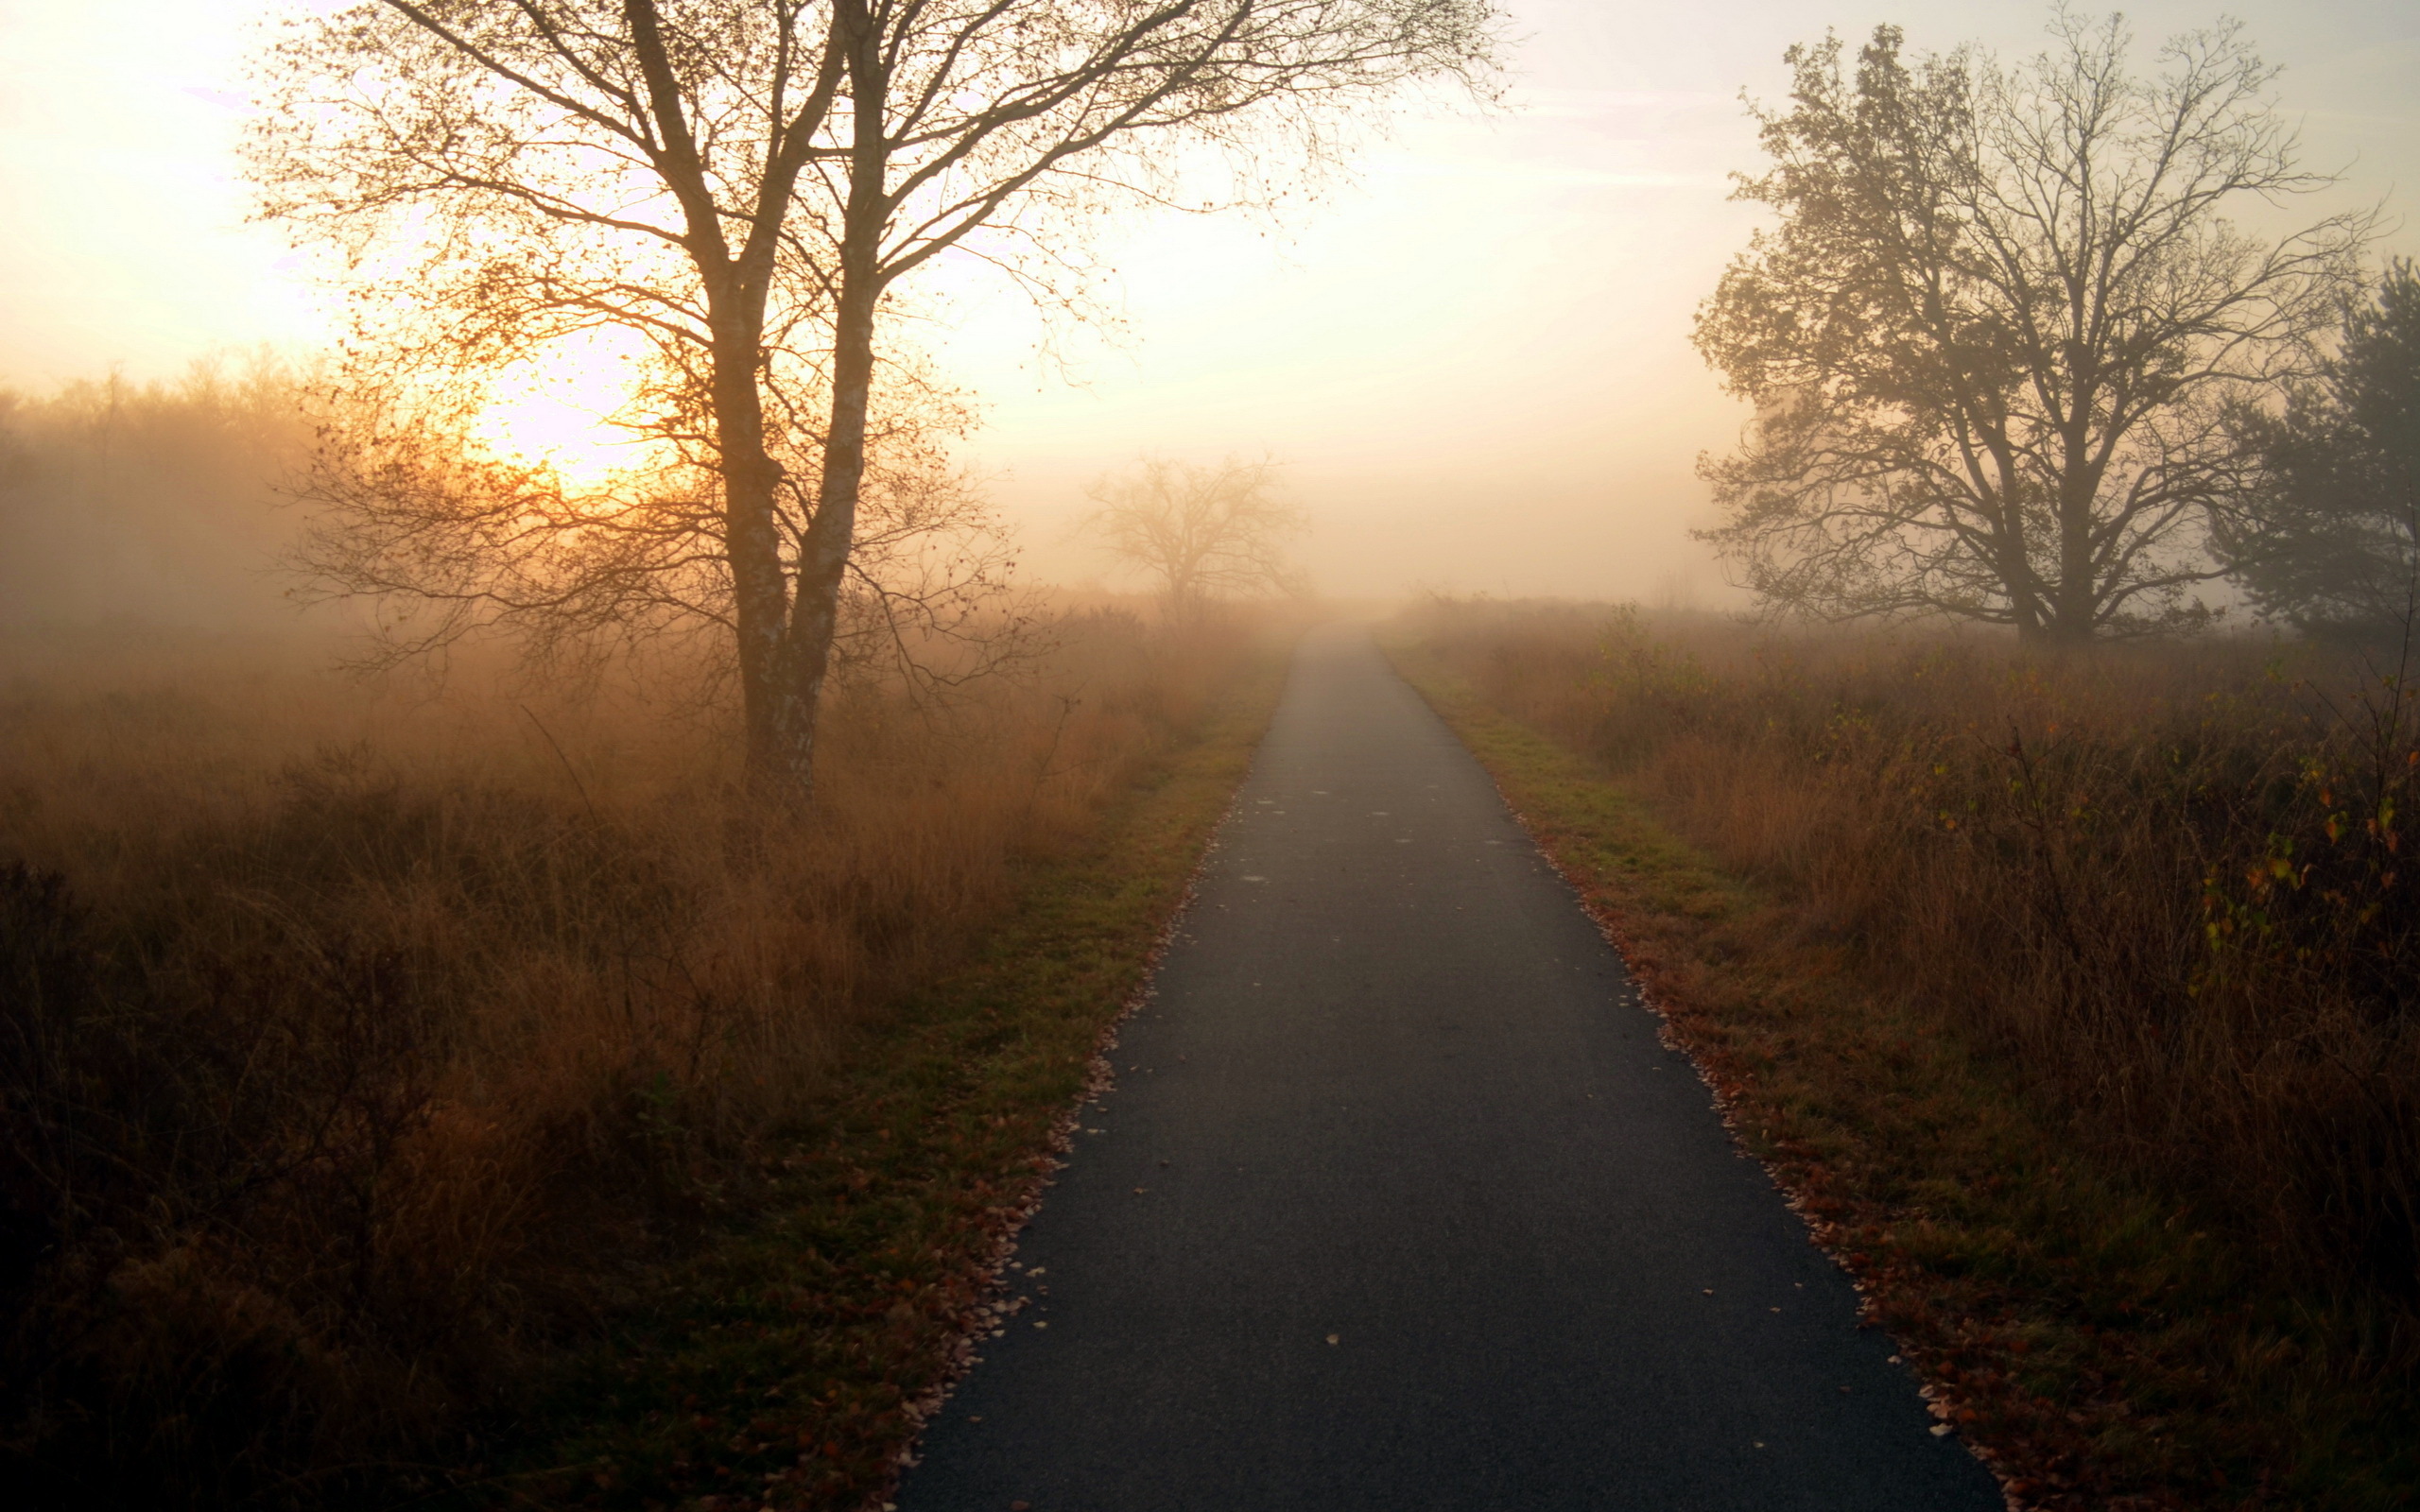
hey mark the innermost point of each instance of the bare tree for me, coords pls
(1996, 336)
(746, 181)
(1204, 533)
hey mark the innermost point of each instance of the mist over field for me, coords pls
(130, 504)
(1470, 351)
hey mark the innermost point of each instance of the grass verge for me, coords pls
(790, 1363)
(2088, 1337)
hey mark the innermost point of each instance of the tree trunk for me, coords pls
(2078, 596)
(2016, 575)
(760, 595)
(831, 536)
(823, 559)
(783, 711)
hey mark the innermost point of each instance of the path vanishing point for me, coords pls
(1399, 1203)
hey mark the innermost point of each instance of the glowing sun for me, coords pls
(572, 410)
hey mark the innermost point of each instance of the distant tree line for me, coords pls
(2013, 363)
(150, 505)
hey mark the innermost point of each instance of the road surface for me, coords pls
(1399, 1203)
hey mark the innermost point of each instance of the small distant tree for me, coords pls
(1996, 337)
(1203, 534)
(2331, 543)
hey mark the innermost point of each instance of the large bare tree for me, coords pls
(1996, 336)
(745, 183)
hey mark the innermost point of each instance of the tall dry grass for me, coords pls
(357, 1043)
(2166, 880)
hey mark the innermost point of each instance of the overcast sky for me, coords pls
(1473, 358)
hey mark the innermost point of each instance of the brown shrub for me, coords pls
(357, 1043)
(2166, 880)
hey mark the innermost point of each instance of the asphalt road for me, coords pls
(1399, 1203)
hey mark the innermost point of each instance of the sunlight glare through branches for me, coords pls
(573, 408)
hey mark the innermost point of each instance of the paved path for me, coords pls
(1399, 1204)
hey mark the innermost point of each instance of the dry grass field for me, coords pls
(2139, 914)
(360, 1042)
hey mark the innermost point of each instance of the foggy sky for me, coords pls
(1474, 357)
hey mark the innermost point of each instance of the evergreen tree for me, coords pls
(2332, 543)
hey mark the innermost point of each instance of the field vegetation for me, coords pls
(2143, 910)
(364, 1045)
